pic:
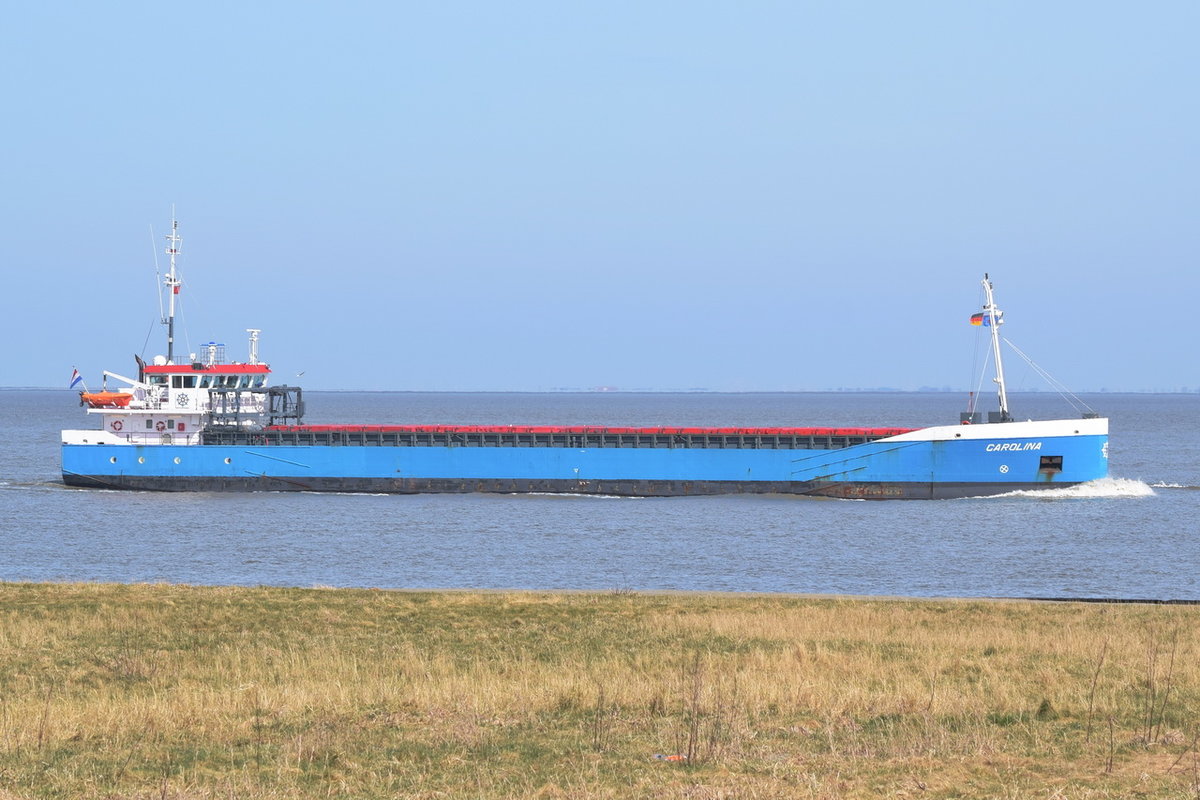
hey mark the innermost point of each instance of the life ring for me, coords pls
(160, 426)
(116, 424)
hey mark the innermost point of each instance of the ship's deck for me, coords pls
(581, 437)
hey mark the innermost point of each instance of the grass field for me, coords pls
(186, 692)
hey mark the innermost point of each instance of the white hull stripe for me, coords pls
(1007, 431)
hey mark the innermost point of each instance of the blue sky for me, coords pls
(749, 196)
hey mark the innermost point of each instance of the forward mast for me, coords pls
(995, 318)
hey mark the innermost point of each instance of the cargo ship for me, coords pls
(203, 423)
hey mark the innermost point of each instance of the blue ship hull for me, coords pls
(945, 462)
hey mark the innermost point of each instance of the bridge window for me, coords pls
(183, 381)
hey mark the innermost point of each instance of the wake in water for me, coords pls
(575, 494)
(25, 486)
(1105, 487)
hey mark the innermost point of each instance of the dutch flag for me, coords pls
(76, 378)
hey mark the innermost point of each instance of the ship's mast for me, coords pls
(995, 318)
(254, 332)
(172, 282)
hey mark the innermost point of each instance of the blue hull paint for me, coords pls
(900, 468)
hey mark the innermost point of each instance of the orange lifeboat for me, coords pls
(106, 399)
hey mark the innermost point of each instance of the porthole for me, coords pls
(141, 459)
(112, 460)
(228, 460)
(176, 459)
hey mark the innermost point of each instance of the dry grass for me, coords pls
(182, 692)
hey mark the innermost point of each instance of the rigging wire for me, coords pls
(162, 317)
(987, 360)
(1024, 375)
(149, 331)
(1066, 394)
(187, 340)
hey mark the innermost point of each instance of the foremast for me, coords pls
(994, 318)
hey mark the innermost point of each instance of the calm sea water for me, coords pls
(1133, 536)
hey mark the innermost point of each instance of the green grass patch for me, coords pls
(180, 692)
